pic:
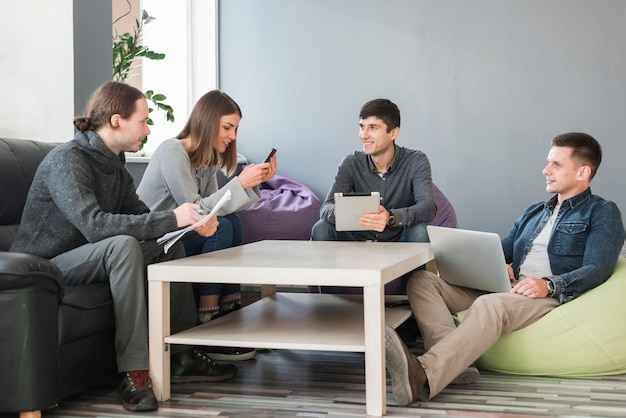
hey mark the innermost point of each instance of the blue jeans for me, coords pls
(325, 231)
(229, 234)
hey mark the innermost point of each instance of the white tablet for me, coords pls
(350, 206)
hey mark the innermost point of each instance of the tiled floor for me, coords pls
(286, 383)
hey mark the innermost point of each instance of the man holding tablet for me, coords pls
(401, 176)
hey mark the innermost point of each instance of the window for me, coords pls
(185, 31)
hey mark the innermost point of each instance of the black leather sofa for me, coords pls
(55, 340)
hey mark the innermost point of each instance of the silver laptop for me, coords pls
(350, 206)
(471, 259)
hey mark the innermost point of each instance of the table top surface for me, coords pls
(298, 262)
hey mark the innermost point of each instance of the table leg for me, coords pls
(159, 328)
(375, 377)
(267, 290)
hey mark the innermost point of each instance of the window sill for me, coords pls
(137, 157)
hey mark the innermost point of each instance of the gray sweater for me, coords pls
(83, 193)
(170, 181)
(406, 187)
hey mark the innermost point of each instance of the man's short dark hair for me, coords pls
(383, 109)
(585, 148)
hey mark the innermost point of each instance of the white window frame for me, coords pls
(187, 33)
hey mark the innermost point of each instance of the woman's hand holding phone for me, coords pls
(270, 155)
(255, 174)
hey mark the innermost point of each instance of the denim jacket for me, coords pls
(584, 246)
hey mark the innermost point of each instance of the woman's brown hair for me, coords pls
(203, 128)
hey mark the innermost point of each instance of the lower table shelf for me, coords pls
(300, 321)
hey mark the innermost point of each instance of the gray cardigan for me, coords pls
(169, 181)
(83, 193)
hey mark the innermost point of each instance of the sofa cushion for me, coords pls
(19, 160)
(85, 310)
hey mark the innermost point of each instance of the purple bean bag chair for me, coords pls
(288, 209)
(446, 216)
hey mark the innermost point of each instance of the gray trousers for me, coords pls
(449, 350)
(122, 260)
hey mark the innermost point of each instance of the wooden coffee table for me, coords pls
(291, 320)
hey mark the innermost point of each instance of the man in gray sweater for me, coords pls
(82, 213)
(402, 176)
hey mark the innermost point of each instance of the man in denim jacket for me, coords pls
(558, 250)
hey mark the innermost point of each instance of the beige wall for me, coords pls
(36, 70)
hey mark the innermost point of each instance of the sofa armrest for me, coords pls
(26, 271)
(30, 294)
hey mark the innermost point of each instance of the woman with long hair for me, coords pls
(184, 169)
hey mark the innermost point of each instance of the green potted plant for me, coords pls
(126, 48)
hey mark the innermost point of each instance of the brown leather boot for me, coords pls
(408, 378)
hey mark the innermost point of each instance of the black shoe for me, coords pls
(136, 393)
(196, 366)
(409, 332)
(230, 353)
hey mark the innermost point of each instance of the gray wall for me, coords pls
(92, 49)
(482, 85)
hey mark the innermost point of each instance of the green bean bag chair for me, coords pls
(584, 337)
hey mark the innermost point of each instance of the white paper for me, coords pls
(171, 237)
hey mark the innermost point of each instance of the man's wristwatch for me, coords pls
(550, 286)
(392, 219)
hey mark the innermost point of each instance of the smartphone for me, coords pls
(272, 152)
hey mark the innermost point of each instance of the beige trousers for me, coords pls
(449, 350)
